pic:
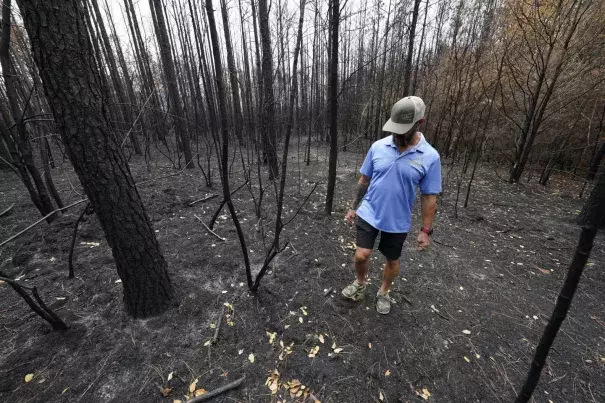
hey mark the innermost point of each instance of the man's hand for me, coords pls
(423, 241)
(350, 216)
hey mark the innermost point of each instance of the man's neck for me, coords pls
(413, 143)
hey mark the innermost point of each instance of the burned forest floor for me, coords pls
(470, 309)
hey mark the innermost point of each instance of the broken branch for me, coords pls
(218, 391)
(209, 230)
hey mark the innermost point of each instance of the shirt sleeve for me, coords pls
(431, 183)
(368, 164)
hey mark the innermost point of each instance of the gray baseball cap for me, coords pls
(404, 114)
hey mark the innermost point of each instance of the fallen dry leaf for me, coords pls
(313, 352)
(300, 319)
(381, 396)
(466, 331)
(170, 375)
(199, 392)
(193, 385)
(338, 350)
(543, 271)
(321, 339)
(177, 401)
(466, 359)
(424, 393)
(370, 346)
(29, 377)
(387, 372)
(271, 337)
(251, 358)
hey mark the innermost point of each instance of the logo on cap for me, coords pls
(405, 116)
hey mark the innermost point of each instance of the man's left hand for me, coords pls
(423, 241)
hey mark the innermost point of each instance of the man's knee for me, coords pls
(362, 255)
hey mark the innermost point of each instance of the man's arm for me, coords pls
(428, 206)
(360, 192)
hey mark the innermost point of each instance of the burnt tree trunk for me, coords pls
(408, 62)
(174, 104)
(267, 96)
(333, 93)
(594, 218)
(57, 28)
(23, 157)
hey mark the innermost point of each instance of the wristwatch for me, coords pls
(427, 230)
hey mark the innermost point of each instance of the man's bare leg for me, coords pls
(390, 272)
(361, 264)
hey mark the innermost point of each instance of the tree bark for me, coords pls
(63, 53)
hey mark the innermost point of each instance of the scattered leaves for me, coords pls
(170, 376)
(29, 377)
(321, 338)
(212, 326)
(193, 385)
(271, 337)
(228, 305)
(466, 331)
(381, 396)
(303, 309)
(240, 352)
(424, 393)
(300, 319)
(478, 356)
(466, 359)
(313, 352)
(387, 372)
(286, 350)
(251, 358)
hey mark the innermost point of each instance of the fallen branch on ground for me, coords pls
(202, 200)
(209, 230)
(40, 308)
(218, 391)
(40, 220)
(7, 210)
(218, 326)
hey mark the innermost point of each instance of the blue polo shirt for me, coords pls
(394, 177)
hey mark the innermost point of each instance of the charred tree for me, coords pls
(57, 28)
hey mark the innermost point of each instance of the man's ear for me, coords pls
(421, 121)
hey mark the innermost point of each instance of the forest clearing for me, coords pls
(302, 201)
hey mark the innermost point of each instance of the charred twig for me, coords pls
(7, 210)
(41, 308)
(222, 204)
(73, 240)
(202, 200)
(218, 326)
(442, 243)
(40, 220)
(403, 297)
(209, 230)
(218, 391)
(302, 205)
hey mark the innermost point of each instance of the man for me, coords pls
(392, 170)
